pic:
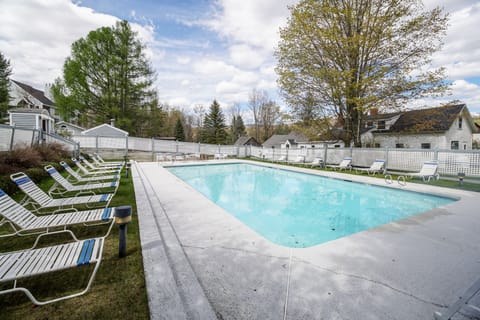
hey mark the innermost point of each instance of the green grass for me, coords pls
(118, 290)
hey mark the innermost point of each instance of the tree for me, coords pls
(348, 56)
(5, 72)
(107, 77)
(238, 128)
(255, 101)
(214, 126)
(179, 132)
(269, 113)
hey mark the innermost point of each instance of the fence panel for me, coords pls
(139, 144)
(408, 159)
(5, 137)
(364, 157)
(452, 162)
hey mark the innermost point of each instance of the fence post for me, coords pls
(435, 154)
(12, 137)
(96, 144)
(126, 146)
(386, 159)
(153, 145)
(325, 148)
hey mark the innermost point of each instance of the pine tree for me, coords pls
(214, 126)
(5, 72)
(179, 131)
(238, 128)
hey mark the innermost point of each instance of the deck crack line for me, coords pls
(288, 285)
(233, 249)
(375, 282)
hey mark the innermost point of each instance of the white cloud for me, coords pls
(245, 56)
(183, 60)
(36, 35)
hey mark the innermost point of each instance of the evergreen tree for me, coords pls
(238, 128)
(5, 72)
(179, 131)
(214, 126)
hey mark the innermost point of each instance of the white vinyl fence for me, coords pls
(451, 162)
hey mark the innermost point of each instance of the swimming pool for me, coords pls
(300, 210)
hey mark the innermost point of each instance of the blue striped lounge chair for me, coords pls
(39, 199)
(95, 168)
(378, 166)
(37, 261)
(63, 185)
(345, 164)
(87, 172)
(23, 221)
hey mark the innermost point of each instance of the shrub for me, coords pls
(52, 152)
(23, 157)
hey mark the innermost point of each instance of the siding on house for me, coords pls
(105, 130)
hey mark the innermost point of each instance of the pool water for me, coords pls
(301, 210)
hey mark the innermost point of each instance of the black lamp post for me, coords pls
(273, 153)
(288, 147)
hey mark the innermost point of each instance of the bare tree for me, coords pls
(256, 100)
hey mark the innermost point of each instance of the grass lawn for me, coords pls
(118, 291)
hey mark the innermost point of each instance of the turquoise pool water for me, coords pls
(301, 210)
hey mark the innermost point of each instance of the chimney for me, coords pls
(112, 122)
(373, 111)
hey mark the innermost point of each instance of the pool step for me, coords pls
(172, 286)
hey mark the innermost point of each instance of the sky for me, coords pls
(206, 49)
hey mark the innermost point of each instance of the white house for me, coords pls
(29, 108)
(446, 127)
(23, 96)
(105, 130)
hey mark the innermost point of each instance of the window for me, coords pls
(454, 145)
(381, 125)
(399, 145)
(425, 146)
(376, 145)
(460, 120)
(369, 123)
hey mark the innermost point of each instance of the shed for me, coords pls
(105, 130)
(69, 128)
(247, 141)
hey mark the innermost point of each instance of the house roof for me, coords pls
(38, 94)
(105, 130)
(68, 124)
(429, 120)
(243, 140)
(278, 139)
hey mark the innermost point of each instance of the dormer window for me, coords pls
(460, 120)
(381, 125)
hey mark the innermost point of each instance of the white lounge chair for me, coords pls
(93, 172)
(39, 199)
(95, 168)
(23, 221)
(378, 166)
(282, 159)
(27, 263)
(102, 165)
(298, 160)
(63, 186)
(220, 156)
(79, 178)
(428, 171)
(345, 164)
(99, 158)
(317, 162)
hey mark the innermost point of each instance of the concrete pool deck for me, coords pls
(202, 263)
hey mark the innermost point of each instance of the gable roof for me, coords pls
(245, 140)
(105, 130)
(38, 94)
(278, 139)
(68, 124)
(428, 120)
